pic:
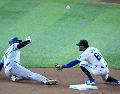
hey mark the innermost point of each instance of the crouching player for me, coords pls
(91, 62)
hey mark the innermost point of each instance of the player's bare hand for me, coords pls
(28, 38)
(59, 67)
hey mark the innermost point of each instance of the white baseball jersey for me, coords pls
(12, 54)
(94, 62)
(92, 56)
(11, 60)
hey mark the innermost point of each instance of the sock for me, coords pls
(86, 72)
(111, 79)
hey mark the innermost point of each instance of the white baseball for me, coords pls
(67, 7)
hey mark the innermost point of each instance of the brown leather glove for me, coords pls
(59, 67)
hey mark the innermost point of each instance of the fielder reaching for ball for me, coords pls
(11, 63)
(91, 62)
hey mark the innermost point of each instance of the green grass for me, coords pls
(55, 30)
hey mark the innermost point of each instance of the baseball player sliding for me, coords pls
(11, 63)
(91, 62)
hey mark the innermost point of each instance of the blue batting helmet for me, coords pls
(14, 40)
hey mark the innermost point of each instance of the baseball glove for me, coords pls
(59, 67)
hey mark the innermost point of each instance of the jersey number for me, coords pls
(98, 56)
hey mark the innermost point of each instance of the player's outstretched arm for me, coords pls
(68, 65)
(24, 43)
(71, 64)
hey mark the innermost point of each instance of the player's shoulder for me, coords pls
(93, 48)
(89, 49)
(13, 46)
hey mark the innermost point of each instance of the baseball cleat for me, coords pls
(118, 82)
(90, 82)
(50, 82)
(13, 78)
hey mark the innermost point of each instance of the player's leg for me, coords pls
(7, 72)
(10, 75)
(19, 71)
(86, 69)
(108, 78)
(43, 79)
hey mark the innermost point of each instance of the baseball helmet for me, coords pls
(83, 43)
(14, 40)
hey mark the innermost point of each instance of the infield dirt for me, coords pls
(65, 78)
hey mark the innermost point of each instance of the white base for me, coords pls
(83, 87)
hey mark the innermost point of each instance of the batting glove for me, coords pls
(28, 38)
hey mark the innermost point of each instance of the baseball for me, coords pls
(67, 7)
